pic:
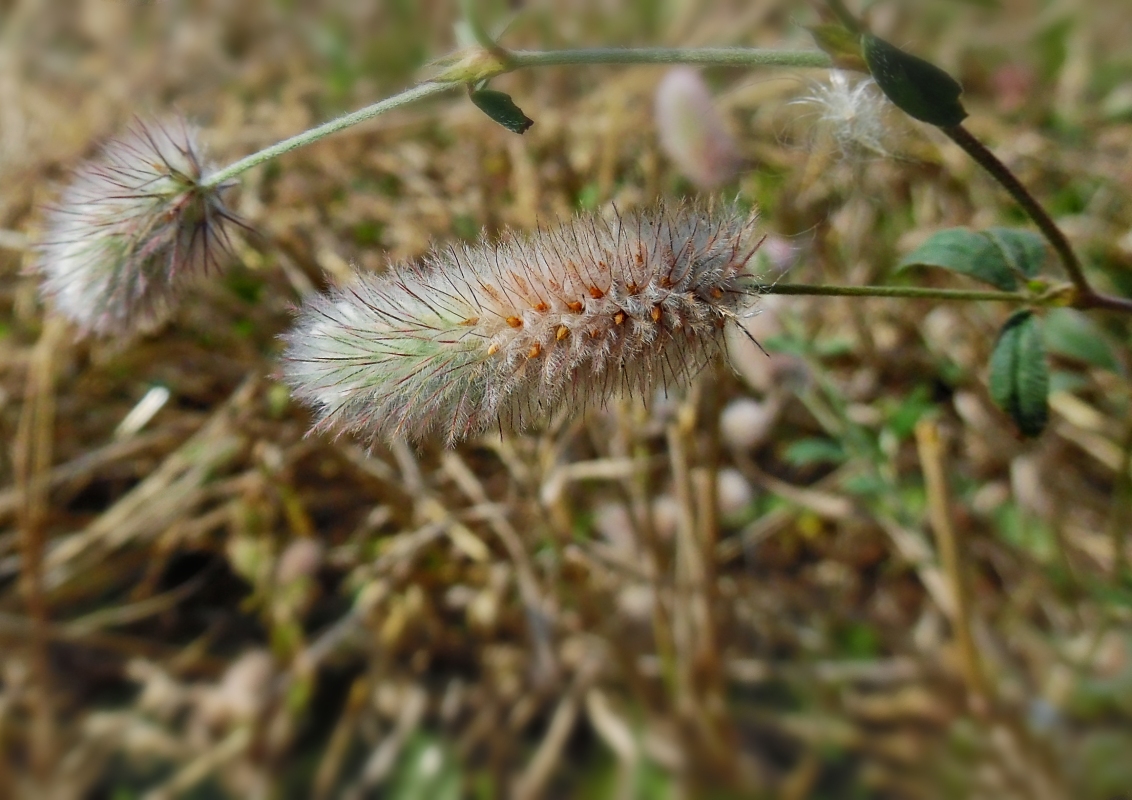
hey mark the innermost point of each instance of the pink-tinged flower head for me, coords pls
(691, 130)
(130, 228)
(526, 330)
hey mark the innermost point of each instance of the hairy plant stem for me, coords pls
(703, 56)
(405, 98)
(900, 291)
(1053, 297)
(513, 60)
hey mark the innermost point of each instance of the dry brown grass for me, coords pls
(216, 606)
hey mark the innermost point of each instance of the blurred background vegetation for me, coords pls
(228, 608)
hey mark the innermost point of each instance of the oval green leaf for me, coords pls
(967, 252)
(501, 108)
(1023, 251)
(917, 87)
(1019, 375)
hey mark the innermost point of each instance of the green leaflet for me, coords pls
(918, 88)
(1002, 257)
(1072, 334)
(1019, 376)
(1024, 251)
(501, 108)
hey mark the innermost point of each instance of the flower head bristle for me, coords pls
(517, 333)
(130, 228)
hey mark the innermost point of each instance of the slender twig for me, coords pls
(322, 131)
(655, 558)
(702, 56)
(1052, 297)
(691, 611)
(1104, 301)
(899, 291)
(688, 569)
(341, 739)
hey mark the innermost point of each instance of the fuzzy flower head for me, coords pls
(130, 228)
(853, 113)
(524, 331)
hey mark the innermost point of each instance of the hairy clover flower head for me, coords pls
(520, 332)
(130, 228)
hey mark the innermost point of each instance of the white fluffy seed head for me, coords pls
(520, 332)
(131, 226)
(854, 113)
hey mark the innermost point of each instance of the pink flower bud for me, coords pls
(692, 133)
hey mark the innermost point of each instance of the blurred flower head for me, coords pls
(691, 131)
(130, 228)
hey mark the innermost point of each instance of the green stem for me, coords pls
(703, 56)
(510, 61)
(897, 291)
(322, 131)
(1050, 298)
